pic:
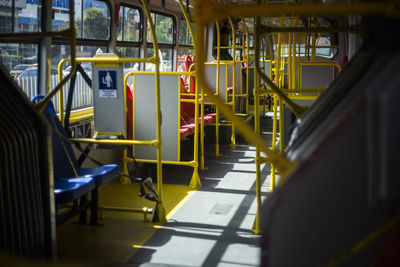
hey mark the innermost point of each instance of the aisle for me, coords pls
(213, 227)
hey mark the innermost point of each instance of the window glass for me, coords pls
(164, 27)
(128, 26)
(61, 14)
(239, 38)
(26, 15)
(6, 17)
(78, 18)
(96, 22)
(59, 52)
(131, 52)
(165, 55)
(325, 51)
(184, 34)
(251, 40)
(92, 18)
(13, 55)
(82, 90)
(182, 53)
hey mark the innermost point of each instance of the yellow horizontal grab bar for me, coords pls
(209, 11)
(191, 73)
(168, 162)
(264, 29)
(111, 60)
(114, 142)
(291, 91)
(299, 97)
(81, 114)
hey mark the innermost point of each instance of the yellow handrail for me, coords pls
(282, 163)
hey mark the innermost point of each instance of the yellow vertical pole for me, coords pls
(233, 137)
(290, 59)
(281, 127)
(126, 179)
(263, 67)
(256, 224)
(195, 180)
(159, 214)
(276, 99)
(202, 131)
(247, 55)
(294, 57)
(313, 49)
(217, 154)
(179, 120)
(274, 126)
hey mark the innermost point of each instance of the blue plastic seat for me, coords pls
(71, 180)
(68, 190)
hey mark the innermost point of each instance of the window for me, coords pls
(185, 45)
(182, 53)
(165, 55)
(132, 52)
(251, 40)
(129, 35)
(24, 17)
(129, 24)
(12, 54)
(164, 27)
(92, 18)
(326, 50)
(165, 32)
(184, 34)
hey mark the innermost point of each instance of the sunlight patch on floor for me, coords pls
(122, 233)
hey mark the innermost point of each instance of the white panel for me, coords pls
(210, 73)
(109, 112)
(238, 74)
(145, 115)
(316, 76)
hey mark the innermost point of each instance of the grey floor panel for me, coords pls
(213, 228)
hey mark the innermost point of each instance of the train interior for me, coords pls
(199, 133)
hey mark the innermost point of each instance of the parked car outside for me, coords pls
(33, 72)
(18, 69)
(87, 67)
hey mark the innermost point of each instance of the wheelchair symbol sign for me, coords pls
(108, 84)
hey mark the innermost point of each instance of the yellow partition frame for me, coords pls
(159, 213)
(195, 180)
(207, 11)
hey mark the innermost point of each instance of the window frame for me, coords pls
(141, 28)
(174, 31)
(188, 31)
(110, 25)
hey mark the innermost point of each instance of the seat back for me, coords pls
(64, 160)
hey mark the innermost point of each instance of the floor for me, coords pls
(210, 226)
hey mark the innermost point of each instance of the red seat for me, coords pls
(188, 128)
(129, 111)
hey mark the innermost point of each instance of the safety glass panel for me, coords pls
(96, 20)
(165, 55)
(26, 15)
(128, 27)
(164, 27)
(17, 57)
(129, 52)
(183, 53)
(184, 34)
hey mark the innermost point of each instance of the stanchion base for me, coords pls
(195, 182)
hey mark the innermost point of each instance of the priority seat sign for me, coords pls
(108, 95)
(108, 84)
